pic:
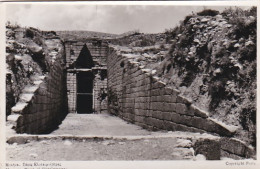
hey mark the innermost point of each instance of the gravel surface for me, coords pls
(75, 150)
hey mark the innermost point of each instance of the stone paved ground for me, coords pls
(102, 137)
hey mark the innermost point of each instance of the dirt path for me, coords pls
(97, 124)
(140, 149)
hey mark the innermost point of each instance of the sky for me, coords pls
(115, 19)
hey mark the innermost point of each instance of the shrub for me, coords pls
(29, 33)
(171, 33)
(11, 25)
(186, 40)
(38, 41)
(252, 11)
(243, 25)
(247, 53)
(208, 12)
(217, 92)
(162, 46)
(187, 18)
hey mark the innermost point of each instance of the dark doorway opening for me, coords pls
(85, 59)
(84, 82)
(85, 92)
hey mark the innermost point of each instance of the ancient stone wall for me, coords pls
(42, 105)
(71, 86)
(100, 93)
(138, 97)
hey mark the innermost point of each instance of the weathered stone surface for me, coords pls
(237, 147)
(167, 116)
(157, 114)
(198, 112)
(158, 84)
(209, 148)
(181, 108)
(139, 119)
(167, 107)
(182, 99)
(167, 91)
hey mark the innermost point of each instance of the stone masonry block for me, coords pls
(158, 84)
(167, 91)
(237, 147)
(173, 107)
(153, 105)
(157, 114)
(155, 92)
(167, 98)
(177, 118)
(167, 107)
(158, 123)
(143, 112)
(153, 98)
(210, 126)
(180, 127)
(159, 98)
(160, 106)
(173, 98)
(147, 81)
(175, 92)
(198, 112)
(181, 108)
(147, 113)
(148, 121)
(184, 100)
(199, 123)
(138, 112)
(167, 116)
(169, 126)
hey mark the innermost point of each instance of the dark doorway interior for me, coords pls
(85, 59)
(84, 92)
(84, 82)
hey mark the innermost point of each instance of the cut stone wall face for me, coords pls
(99, 93)
(71, 91)
(138, 97)
(43, 106)
(98, 51)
